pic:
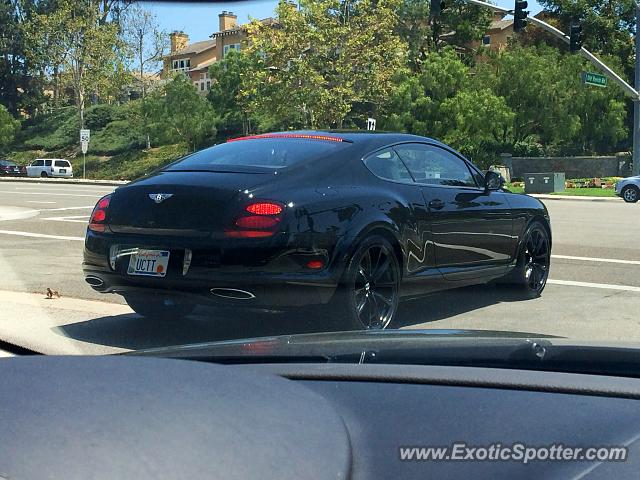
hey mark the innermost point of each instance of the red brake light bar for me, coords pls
(290, 135)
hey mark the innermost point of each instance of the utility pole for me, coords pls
(636, 102)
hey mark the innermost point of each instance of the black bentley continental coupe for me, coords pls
(353, 221)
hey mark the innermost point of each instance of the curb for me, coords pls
(72, 181)
(576, 198)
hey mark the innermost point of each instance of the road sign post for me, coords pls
(85, 136)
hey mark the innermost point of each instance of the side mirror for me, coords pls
(493, 181)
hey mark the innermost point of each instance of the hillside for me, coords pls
(116, 150)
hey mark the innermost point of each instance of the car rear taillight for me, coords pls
(259, 221)
(98, 221)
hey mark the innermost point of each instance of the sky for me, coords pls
(199, 20)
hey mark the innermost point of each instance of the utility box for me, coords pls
(543, 182)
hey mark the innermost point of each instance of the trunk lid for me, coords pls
(191, 203)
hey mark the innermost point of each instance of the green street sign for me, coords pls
(596, 79)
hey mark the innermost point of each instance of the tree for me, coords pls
(21, 90)
(8, 128)
(179, 114)
(321, 60)
(608, 26)
(226, 80)
(542, 87)
(414, 106)
(463, 23)
(75, 42)
(147, 43)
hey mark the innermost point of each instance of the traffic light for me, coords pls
(575, 37)
(436, 7)
(520, 16)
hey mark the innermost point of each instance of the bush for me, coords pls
(117, 137)
(98, 116)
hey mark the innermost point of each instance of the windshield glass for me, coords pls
(200, 172)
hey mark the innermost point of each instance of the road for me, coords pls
(593, 292)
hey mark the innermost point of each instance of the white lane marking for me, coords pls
(17, 213)
(40, 235)
(36, 201)
(604, 286)
(593, 259)
(51, 194)
(74, 218)
(64, 208)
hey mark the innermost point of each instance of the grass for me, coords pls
(576, 192)
(588, 192)
(129, 165)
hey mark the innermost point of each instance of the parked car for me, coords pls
(629, 189)
(50, 167)
(9, 168)
(299, 218)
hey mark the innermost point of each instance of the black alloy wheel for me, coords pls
(532, 269)
(369, 295)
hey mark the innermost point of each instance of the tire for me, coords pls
(529, 276)
(44, 174)
(159, 307)
(368, 294)
(630, 194)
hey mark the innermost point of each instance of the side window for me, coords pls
(61, 163)
(435, 166)
(38, 163)
(387, 165)
(47, 163)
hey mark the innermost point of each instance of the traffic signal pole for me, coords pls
(626, 88)
(636, 101)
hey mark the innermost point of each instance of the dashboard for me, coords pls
(151, 418)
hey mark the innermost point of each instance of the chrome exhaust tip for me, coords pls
(94, 281)
(232, 293)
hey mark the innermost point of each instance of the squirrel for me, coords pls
(52, 293)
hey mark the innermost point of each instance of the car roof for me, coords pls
(371, 137)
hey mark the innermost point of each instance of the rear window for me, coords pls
(62, 163)
(266, 153)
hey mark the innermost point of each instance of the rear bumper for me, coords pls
(271, 273)
(216, 291)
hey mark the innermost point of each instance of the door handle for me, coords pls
(436, 204)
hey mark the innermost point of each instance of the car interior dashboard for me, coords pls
(152, 418)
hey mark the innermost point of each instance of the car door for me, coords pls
(472, 228)
(34, 168)
(48, 167)
(413, 224)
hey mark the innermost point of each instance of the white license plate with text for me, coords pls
(150, 263)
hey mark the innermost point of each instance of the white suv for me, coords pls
(49, 167)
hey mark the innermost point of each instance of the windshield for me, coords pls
(190, 173)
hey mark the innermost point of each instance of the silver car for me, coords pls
(629, 189)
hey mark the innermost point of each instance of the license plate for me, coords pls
(63, 170)
(150, 263)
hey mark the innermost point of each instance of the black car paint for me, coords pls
(330, 206)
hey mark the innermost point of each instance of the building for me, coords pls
(195, 58)
(500, 31)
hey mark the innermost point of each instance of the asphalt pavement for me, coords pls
(593, 292)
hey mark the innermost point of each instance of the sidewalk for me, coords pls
(73, 181)
(575, 197)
